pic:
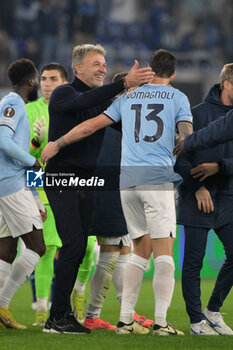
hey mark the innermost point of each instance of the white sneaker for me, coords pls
(202, 328)
(215, 320)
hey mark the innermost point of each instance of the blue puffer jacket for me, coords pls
(108, 219)
(219, 185)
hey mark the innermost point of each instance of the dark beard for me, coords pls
(33, 95)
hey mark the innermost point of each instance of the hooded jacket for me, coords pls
(220, 185)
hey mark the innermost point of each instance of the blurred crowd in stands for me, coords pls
(199, 32)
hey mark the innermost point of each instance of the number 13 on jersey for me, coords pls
(152, 116)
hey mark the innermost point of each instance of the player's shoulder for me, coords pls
(62, 90)
(178, 92)
(203, 110)
(200, 106)
(180, 97)
(13, 99)
(11, 105)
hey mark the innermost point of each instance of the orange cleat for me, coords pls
(143, 321)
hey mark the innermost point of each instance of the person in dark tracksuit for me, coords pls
(69, 105)
(206, 202)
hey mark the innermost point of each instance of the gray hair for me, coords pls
(226, 74)
(80, 51)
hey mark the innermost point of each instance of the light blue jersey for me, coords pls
(14, 144)
(149, 116)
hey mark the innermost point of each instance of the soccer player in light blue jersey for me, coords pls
(20, 210)
(150, 116)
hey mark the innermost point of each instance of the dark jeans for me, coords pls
(195, 245)
(72, 211)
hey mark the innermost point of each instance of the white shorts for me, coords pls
(150, 209)
(123, 241)
(18, 214)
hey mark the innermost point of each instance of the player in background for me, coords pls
(149, 117)
(52, 75)
(205, 202)
(19, 210)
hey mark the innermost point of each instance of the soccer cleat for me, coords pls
(78, 302)
(168, 330)
(132, 328)
(142, 320)
(97, 323)
(216, 321)
(41, 319)
(68, 325)
(48, 326)
(8, 320)
(202, 328)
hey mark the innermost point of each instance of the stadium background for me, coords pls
(199, 33)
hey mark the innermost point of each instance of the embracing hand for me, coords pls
(50, 150)
(138, 76)
(204, 200)
(204, 170)
(179, 147)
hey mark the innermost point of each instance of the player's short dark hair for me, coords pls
(58, 67)
(119, 76)
(163, 63)
(21, 70)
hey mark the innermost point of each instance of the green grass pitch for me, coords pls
(34, 339)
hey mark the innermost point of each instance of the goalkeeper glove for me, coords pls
(39, 128)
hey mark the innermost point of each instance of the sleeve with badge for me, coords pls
(10, 118)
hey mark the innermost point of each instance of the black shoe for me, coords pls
(69, 325)
(47, 326)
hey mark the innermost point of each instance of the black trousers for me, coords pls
(195, 246)
(72, 212)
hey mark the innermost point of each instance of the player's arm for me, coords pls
(204, 170)
(76, 134)
(64, 98)
(184, 167)
(204, 200)
(11, 149)
(184, 128)
(219, 131)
